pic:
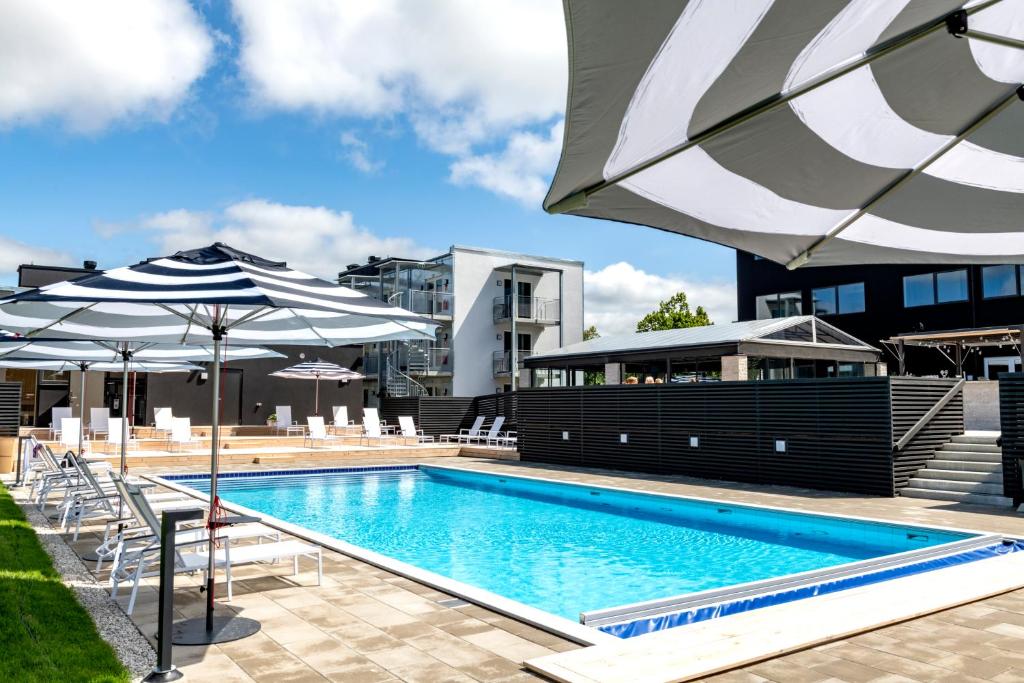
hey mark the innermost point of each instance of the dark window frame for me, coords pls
(935, 288)
(1017, 276)
(835, 298)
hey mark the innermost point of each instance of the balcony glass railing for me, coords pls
(528, 308)
(425, 302)
(501, 361)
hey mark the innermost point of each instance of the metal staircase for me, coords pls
(398, 384)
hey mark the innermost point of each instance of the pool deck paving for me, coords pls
(367, 624)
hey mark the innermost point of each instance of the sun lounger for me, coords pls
(317, 431)
(464, 434)
(181, 433)
(493, 432)
(134, 564)
(114, 435)
(56, 415)
(99, 421)
(286, 424)
(409, 430)
(163, 421)
(342, 421)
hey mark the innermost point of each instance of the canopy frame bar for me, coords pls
(884, 193)
(579, 199)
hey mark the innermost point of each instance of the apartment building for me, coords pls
(495, 308)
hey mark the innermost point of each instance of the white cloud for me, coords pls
(89, 63)
(617, 296)
(357, 151)
(464, 73)
(520, 171)
(314, 239)
(14, 254)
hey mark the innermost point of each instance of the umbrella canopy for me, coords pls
(806, 132)
(111, 352)
(204, 295)
(67, 366)
(317, 370)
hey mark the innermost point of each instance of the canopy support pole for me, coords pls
(985, 117)
(125, 429)
(1005, 41)
(579, 200)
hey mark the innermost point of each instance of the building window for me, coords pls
(997, 281)
(842, 299)
(779, 305)
(935, 288)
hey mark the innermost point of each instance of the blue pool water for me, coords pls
(563, 548)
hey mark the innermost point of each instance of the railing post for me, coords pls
(164, 669)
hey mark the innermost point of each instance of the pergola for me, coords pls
(956, 345)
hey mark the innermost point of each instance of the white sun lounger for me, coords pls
(409, 430)
(463, 434)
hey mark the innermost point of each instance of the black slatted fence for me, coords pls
(10, 408)
(834, 434)
(1011, 418)
(912, 398)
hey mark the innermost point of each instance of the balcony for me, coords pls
(501, 361)
(423, 360)
(529, 309)
(425, 302)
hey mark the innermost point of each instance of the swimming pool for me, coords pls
(562, 548)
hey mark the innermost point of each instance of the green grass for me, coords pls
(45, 634)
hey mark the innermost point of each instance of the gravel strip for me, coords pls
(113, 624)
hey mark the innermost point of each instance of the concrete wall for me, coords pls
(475, 336)
(193, 400)
(981, 405)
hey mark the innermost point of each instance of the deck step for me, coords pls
(977, 438)
(965, 465)
(956, 496)
(971, 447)
(932, 472)
(972, 456)
(958, 486)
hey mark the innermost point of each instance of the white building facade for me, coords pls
(494, 309)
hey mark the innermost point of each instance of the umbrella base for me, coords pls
(89, 556)
(225, 629)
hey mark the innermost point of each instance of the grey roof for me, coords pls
(708, 335)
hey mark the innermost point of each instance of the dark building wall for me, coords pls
(39, 276)
(884, 314)
(183, 393)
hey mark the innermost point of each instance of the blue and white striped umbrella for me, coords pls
(203, 295)
(317, 370)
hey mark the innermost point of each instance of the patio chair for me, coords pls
(69, 433)
(317, 431)
(341, 418)
(56, 415)
(285, 423)
(409, 430)
(374, 415)
(163, 419)
(372, 429)
(181, 433)
(133, 564)
(114, 435)
(99, 421)
(503, 440)
(473, 431)
(494, 431)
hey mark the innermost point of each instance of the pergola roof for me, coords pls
(967, 338)
(801, 336)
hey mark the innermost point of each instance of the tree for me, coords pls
(591, 376)
(673, 313)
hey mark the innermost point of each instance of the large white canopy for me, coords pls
(805, 131)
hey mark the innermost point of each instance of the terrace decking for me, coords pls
(367, 624)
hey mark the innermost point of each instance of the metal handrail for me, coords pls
(392, 370)
(928, 417)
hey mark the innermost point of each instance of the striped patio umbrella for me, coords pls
(113, 357)
(208, 295)
(807, 132)
(317, 370)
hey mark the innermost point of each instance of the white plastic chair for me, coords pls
(69, 433)
(163, 419)
(99, 421)
(56, 415)
(317, 431)
(285, 422)
(409, 430)
(181, 433)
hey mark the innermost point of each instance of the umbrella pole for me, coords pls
(81, 411)
(124, 412)
(316, 397)
(213, 629)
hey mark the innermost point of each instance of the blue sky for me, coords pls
(316, 132)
